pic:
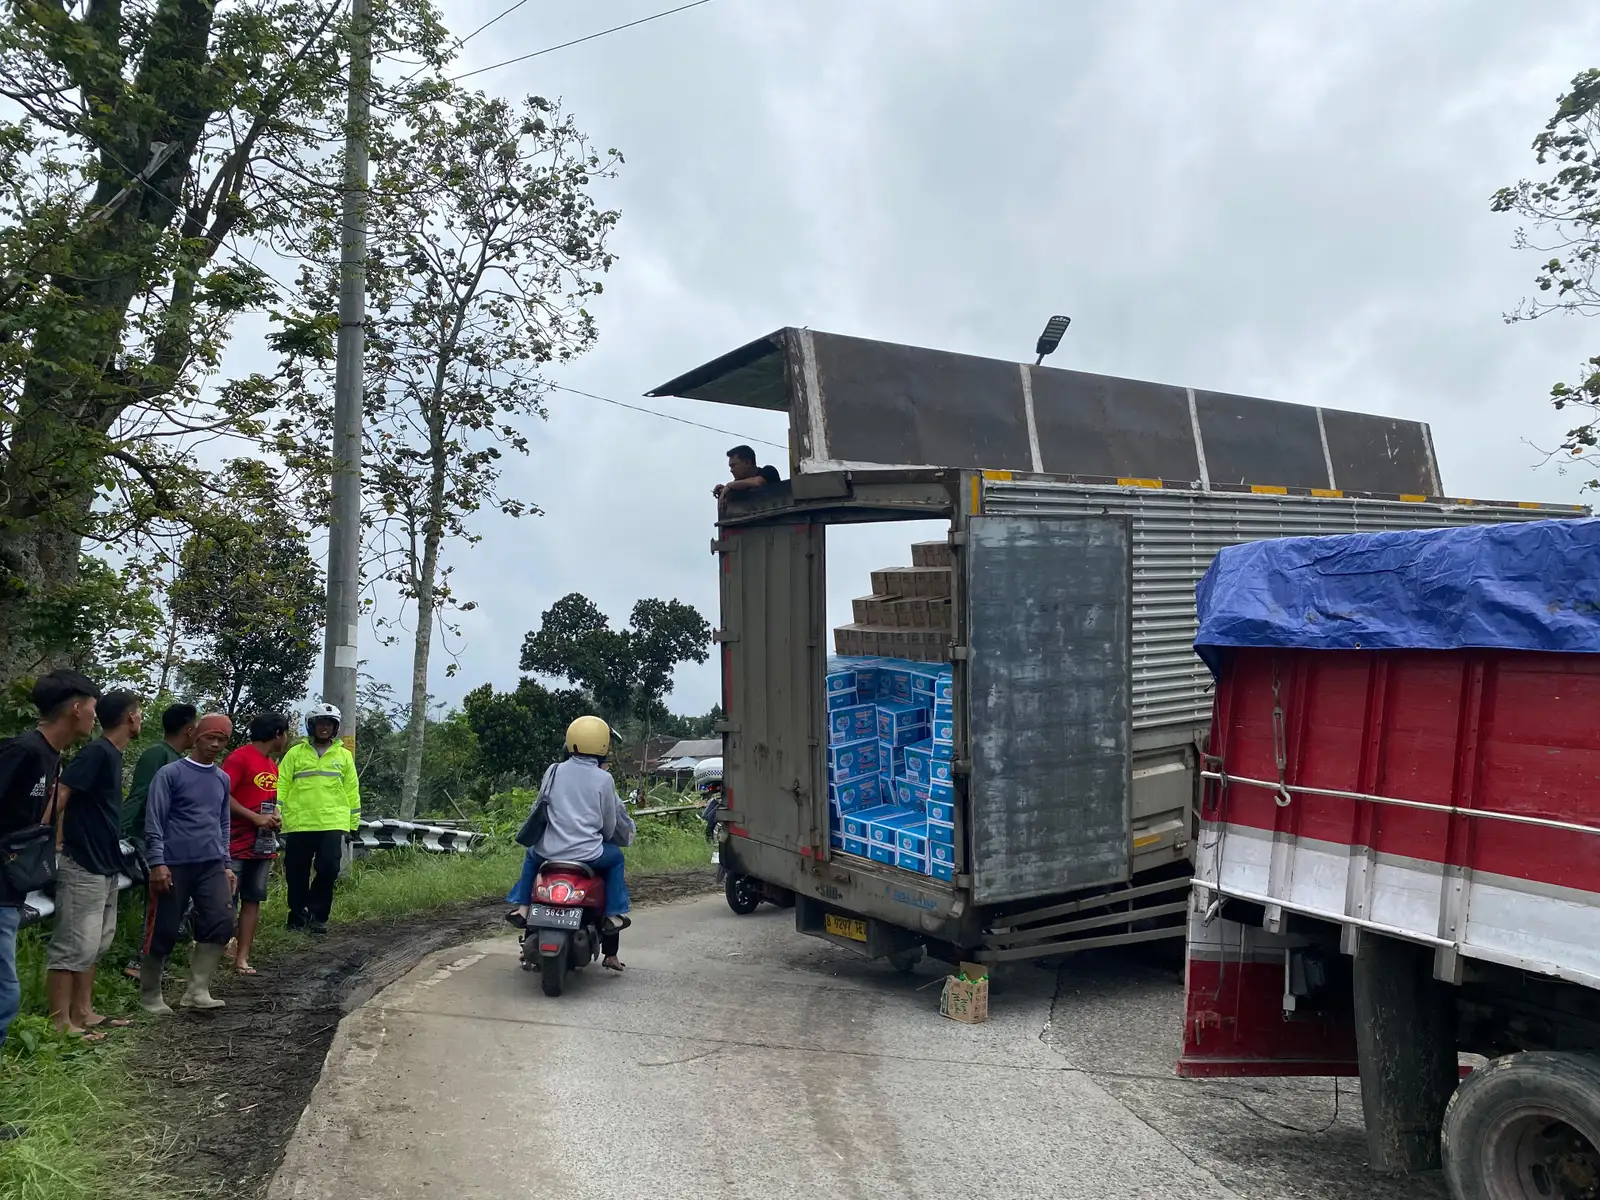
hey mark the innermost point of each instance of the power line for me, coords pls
(579, 41)
(650, 412)
(504, 12)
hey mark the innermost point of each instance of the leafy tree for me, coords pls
(250, 598)
(627, 671)
(1564, 211)
(142, 139)
(485, 245)
(520, 733)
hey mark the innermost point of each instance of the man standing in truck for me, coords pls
(747, 477)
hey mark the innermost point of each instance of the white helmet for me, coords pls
(323, 712)
(707, 771)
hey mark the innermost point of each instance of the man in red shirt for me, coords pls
(252, 772)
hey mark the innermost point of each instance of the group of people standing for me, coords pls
(205, 823)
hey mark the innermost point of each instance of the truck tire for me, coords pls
(1525, 1127)
(905, 961)
(743, 893)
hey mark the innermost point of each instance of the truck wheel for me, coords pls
(553, 974)
(1525, 1127)
(905, 961)
(743, 893)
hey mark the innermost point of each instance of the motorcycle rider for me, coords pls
(587, 824)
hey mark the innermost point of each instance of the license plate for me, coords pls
(851, 927)
(555, 918)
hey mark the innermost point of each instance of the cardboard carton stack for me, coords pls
(891, 791)
(908, 614)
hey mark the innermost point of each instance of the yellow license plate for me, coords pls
(851, 927)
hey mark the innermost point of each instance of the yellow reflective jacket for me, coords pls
(318, 793)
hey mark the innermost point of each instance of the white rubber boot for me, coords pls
(150, 998)
(202, 966)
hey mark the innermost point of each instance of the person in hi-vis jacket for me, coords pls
(319, 799)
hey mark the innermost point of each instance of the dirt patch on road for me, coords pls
(231, 1085)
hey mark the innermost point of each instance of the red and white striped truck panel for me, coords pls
(1451, 798)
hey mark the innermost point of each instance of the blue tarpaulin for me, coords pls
(1531, 586)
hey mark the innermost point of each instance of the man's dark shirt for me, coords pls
(28, 768)
(770, 474)
(93, 824)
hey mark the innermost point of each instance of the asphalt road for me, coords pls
(739, 1060)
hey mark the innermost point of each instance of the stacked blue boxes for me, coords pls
(891, 741)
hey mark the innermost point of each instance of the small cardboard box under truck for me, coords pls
(1398, 866)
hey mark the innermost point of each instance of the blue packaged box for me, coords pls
(838, 700)
(943, 731)
(867, 680)
(912, 862)
(852, 760)
(849, 795)
(910, 795)
(944, 710)
(856, 825)
(841, 679)
(836, 840)
(940, 770)
(938, 831)
(943, 790)
(943, 749)
(853, 724)
(860, 847)
(944, 688)
(901, 724)
(924, 683)
(881, 852)
(941, 852)
(891, 760)
(917, 760)
(941, 870)
(942, 811)
(913, 839)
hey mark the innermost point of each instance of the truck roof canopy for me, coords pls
(854, 403)
(1530, 586)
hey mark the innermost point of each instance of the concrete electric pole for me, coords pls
(344, 530)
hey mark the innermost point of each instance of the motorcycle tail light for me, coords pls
(577, 896)
(542, 892)
(560, 893)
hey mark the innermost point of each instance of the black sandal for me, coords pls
(617, 924)
(516, 920)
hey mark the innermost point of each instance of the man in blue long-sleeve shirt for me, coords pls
(186, 829)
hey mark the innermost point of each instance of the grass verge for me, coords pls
(89, 1135)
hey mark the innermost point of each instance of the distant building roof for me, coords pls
(708, 748)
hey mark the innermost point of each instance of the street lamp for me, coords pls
(1051, 337)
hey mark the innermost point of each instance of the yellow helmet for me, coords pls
(589, 735)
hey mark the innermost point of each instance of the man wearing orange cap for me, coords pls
(186, 827)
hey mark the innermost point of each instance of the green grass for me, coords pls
(88, 1136)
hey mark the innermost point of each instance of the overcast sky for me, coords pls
(1283, 200)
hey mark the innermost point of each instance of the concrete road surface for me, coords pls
(737, 1059)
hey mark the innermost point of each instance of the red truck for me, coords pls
(1398, 864)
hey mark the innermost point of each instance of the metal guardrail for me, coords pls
(388, 833)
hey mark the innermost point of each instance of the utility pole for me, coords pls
(344, 530)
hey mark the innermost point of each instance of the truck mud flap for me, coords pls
(1259, 1003)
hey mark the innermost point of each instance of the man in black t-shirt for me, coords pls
(90, 801)
(28, 766)
(747, 477)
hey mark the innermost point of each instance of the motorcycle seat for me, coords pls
(570, 868)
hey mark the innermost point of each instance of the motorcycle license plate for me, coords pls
(849, 927)
(555, 918)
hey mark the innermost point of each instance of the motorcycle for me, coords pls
(565, 928)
